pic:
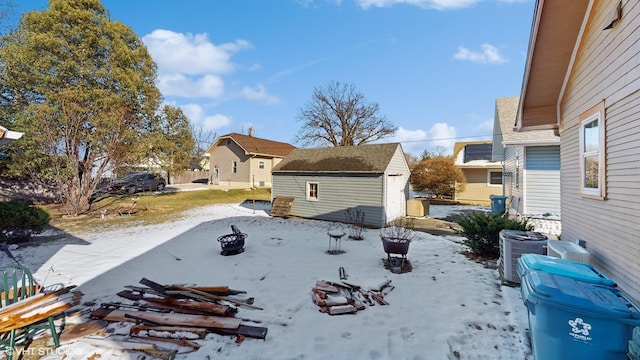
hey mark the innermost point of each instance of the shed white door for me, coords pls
(396, 200)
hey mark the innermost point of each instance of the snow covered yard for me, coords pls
(447, 307)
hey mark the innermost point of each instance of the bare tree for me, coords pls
(339, 115)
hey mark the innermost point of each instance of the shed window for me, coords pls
(312, 191)
(592, 175)
(234, 166)
(495, 177)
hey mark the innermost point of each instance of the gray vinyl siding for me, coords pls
(398, 165)
(511, 188)
(336, 193)
(607, 68)
(542, 180)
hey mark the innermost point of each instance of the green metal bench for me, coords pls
(17, 293)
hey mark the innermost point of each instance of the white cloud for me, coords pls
(485, 127)
(191, 66)
(443, 135)
(425, 4)
(191, 54)
(258, 93)
(415, 142)
(488, 55)
(178, 84)
(200, 120)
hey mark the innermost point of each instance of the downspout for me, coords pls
(385, 186)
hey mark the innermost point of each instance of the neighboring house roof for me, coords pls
(7, 135)
(553, 45)
(371, 158)
(257, 146)
(506, 112)
(474, 154)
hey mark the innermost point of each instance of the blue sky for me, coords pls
(435, 67)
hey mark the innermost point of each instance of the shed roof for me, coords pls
(257, 146)
(370, 158)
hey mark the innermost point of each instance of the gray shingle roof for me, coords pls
(372, 158)
(506, 111)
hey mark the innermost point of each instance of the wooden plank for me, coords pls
(215, 297)
(178, 305)
(189, 307)
(73, 332)
(205, 321)
(198, 333)
(255, 332)
(35, 309)
(342, 309)
(282, 206)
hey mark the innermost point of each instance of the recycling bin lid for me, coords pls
(522, 235)
(573, 269)
(576, 296)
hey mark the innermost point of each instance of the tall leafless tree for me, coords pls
(339, 115)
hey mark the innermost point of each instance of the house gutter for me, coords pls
(531, 142)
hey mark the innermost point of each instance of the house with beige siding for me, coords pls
(323, 183)
(244, 161)
(531, 167)
(582, 80)
(482, 175)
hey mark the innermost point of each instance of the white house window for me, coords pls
(312, 191)
(260, 164)
(495, 178)
(592, 175)
(234, 166)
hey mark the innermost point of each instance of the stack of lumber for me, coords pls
(341, 297)
(36, 308)
(178, 314)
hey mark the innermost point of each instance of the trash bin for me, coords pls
(571, 319)
(418, 207)
(415, 208)
(425, 205)
(573, 269)
(498, 203)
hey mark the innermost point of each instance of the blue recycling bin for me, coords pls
(571, 319)
(573, 269)
(498, 203)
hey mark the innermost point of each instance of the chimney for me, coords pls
(251, 131)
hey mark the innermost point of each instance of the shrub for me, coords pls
(355, 219)
(482, 231)
(399, 229)
(19, 221)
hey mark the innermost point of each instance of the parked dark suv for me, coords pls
(135, 182)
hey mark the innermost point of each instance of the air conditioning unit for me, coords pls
(513, 244)
(568, 250)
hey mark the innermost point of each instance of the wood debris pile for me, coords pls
(342, 297)
(35, 308)
(169, 319)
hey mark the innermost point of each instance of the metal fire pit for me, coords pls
(233, 243)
